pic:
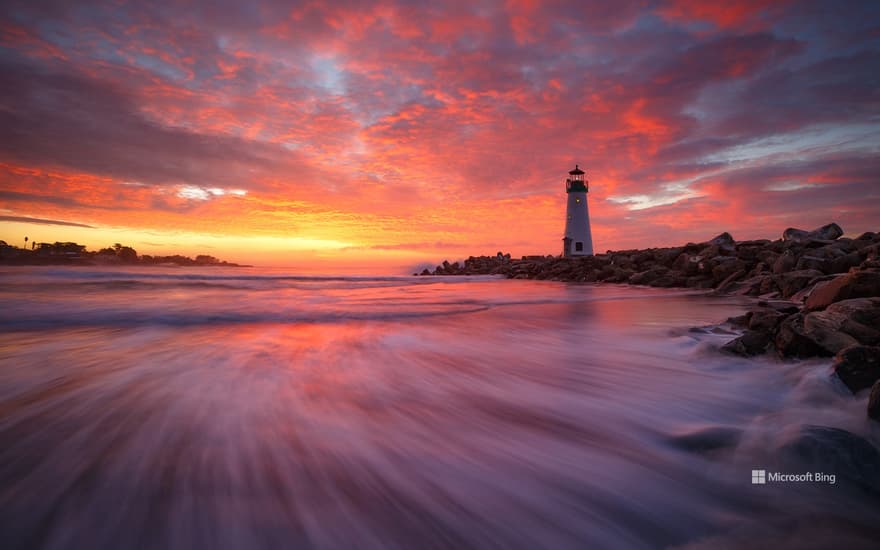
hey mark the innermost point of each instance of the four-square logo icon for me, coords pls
(759, 477)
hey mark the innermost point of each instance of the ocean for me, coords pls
(248, 408)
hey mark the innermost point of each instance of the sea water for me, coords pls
(246, 408)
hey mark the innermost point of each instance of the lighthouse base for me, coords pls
(572, 247)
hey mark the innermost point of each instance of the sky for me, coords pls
(401, 133)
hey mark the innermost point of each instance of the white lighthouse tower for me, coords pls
(578, 241)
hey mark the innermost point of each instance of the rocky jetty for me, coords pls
(818, 292)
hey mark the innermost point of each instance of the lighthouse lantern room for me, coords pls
(578, 240)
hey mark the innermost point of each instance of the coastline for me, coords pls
(818, 293)
(73, 254)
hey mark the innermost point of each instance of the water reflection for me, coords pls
(224, 411)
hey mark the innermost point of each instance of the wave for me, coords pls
(126, 318)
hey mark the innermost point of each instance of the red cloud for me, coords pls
(364, 124)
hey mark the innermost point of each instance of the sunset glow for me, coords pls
(392, 134)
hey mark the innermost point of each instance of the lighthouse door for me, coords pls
(566, 246)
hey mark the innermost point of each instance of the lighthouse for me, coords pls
(577, 241)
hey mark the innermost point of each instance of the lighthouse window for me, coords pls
(579, 247)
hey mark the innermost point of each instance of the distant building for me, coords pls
(578, 240)
(67, 250)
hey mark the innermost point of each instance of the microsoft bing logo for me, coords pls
(759, 477)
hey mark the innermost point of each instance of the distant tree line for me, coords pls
(73, 253)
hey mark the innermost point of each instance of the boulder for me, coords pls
(666, 256)
(782, 306)
(759, 268)
(856, 284)
(721, 240)
(725, 266)
(858, 366)
(645, 277)
(853, 459)
(844, 263)
(740, 320)
(730, 281)
(801, 295)
(823, 333)
(686, 263)
(874, 402)
(768, 285)
(698, 281)
(765, 320)
(814, 262)
(707, 440)
(790, 283)
(825, 330)
(752, 342)
(793, 341)
(860, 318)
(751, 286)
(768, 256)
(672, 279)
(784, 263)
(828, 232)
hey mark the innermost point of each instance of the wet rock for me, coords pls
(740, 320)
(782, 306)
(750, 287)
(851, 458)
(874, 402)
(766, 320)
(730, 281)
(752, 342)
(792, 282)
(707, 440)
(669, 280)
(825, 330)
(768, 285)
(726, 266)
(859, 317)
(858, 366)
(793, 341)
(801, 295)
(856, 284)
(645, 277)
(711, 329)
(698, 281)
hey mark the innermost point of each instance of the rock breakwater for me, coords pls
(818, 292)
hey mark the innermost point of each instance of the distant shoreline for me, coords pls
(88, 263)
(73, 254)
